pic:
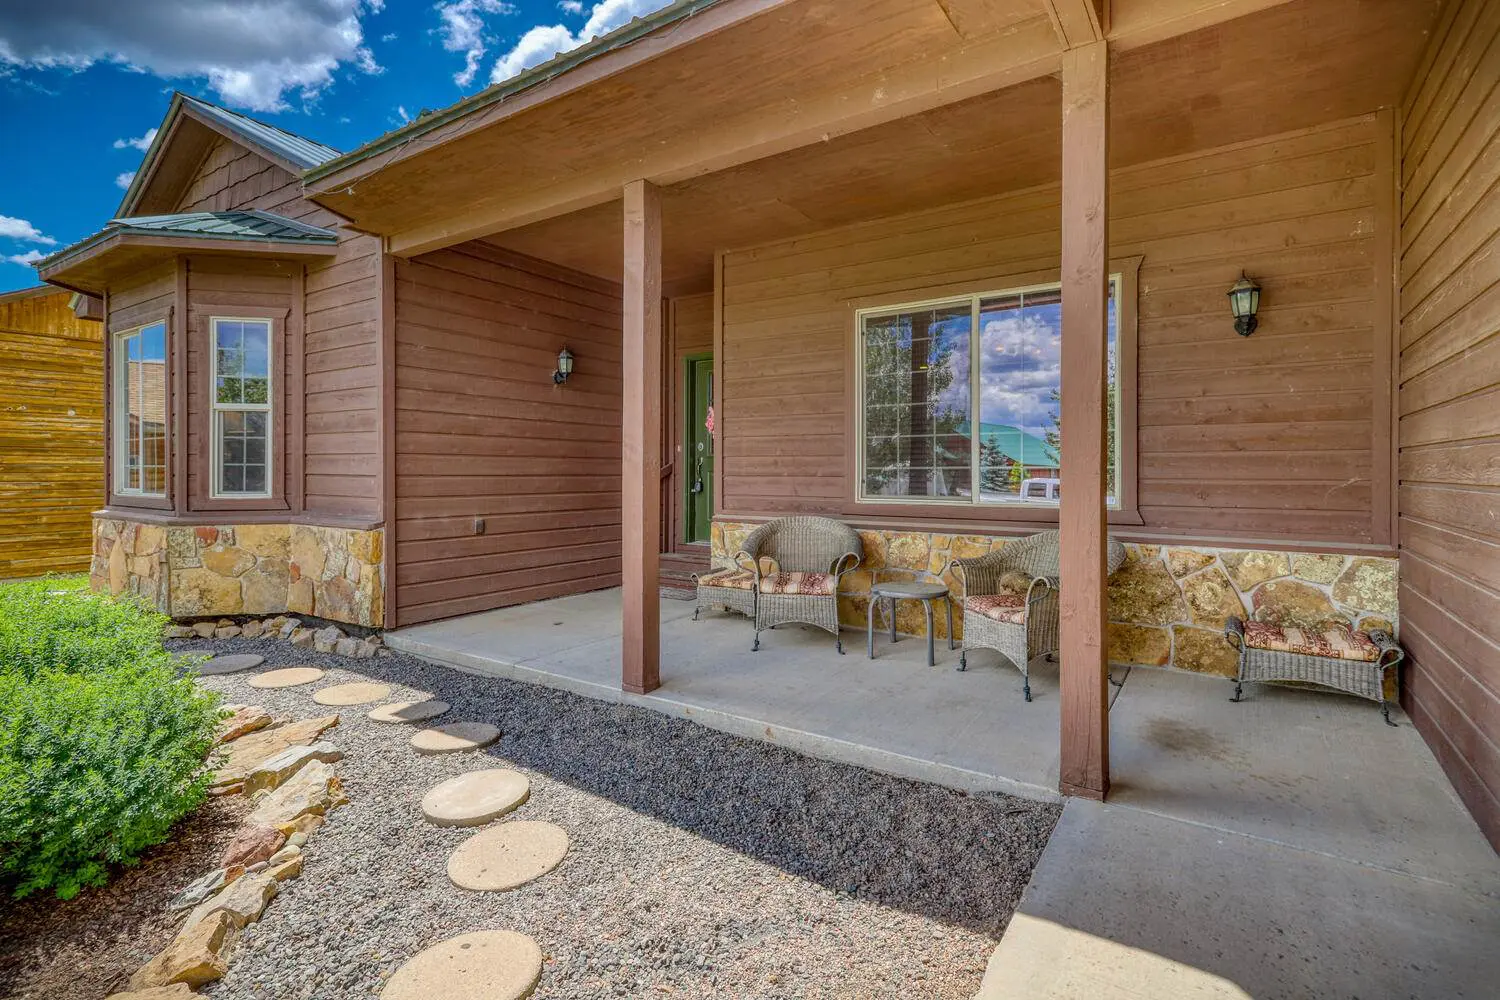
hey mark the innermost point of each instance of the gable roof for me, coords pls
(293, 153)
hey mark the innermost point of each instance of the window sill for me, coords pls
(139, 501)
(974, 514)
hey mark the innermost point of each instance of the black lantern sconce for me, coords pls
(1244, 303)
(564, 366)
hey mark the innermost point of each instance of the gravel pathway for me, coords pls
(701, 865)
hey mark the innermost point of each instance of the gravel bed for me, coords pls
(701, 865)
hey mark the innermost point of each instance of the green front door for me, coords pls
(698, 457)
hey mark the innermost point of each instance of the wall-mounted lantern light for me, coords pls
(1244, 303)
(564, 366)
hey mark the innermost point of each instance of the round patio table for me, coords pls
(893, 592)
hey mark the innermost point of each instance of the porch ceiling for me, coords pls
(1292, 66)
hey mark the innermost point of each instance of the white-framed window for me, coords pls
(139, 394)
(243, 415)
(959, 399)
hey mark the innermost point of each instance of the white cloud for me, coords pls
(463, 30)
(252, 52)
(544, 41)
(142, 142)
(570, 6)
(28, 258)
(401, 110)
(20, 229)
(389, 36)
(123, 180)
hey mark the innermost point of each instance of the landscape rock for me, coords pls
(177, 991)
(226, 631)
(252, 844)
(299, 830)
(195, 956)
(276, 770)
(284, 855)
(326, 639)
(288, 869)
(287, 627)
(303, 638)
(347, 647)
(179, 632)
(252, 629)
(246, 719)
(204, 630)
(243, 901)
(247, 753)
(205, 887)
(314, 789)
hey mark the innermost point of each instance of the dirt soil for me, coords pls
(86, 948)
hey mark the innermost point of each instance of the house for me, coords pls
(51, 430)
(852, 231)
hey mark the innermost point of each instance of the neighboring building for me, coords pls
(848, 258)
(51, 430)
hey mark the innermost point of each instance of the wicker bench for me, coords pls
(1335, 657)
(731, 589)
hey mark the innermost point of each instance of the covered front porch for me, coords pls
(1309, 771)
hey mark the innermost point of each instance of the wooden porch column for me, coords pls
(640, 434)
(1085, 331)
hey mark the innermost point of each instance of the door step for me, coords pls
(676, 569)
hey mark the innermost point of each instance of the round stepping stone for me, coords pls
(231, 664)
(485, 965)
(409, 711)
(352, 694)
(508, 856)
(475, 798)
(286, 677)
(456, 737)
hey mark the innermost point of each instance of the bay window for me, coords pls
(139, 394)
(959, 400)
(243, 416)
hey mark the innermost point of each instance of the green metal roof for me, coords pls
(541, 73)
(293, 148)
(240, 226)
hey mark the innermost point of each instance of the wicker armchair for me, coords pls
(811, 555)
(1333, 656)
(1018, 626)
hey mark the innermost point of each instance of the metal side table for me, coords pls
(893, 592)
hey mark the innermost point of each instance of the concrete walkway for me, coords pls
(1291, 845)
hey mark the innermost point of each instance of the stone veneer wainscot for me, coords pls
(250, 569)
(1167, 604)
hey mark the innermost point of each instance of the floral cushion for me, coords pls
(815, 584)
(1338, 642)
(1007, 607)
(728, 579)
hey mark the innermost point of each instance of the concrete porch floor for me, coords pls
(1293, 815)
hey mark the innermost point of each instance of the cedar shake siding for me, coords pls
(340, 452)
(482, 432)
(1270, 437)
(1449, 404)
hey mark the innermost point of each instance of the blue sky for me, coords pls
(83, 83)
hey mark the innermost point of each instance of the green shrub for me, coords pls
(102, 744)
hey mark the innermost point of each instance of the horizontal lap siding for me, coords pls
(51, 435)
(481, 432)
(1268, 437)
(341, 332)
(1449, 402)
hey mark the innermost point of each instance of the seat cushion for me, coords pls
(808, 584)
(1007, 607)
(1338, 642)
(728, 579)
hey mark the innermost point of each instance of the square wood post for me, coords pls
(640, 434)
(1085, 332)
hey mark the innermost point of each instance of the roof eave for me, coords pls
(556, 66)
(54, 270)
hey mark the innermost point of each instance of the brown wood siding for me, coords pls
(481, 432)
(340, 448)
(1267, 437)
(1449, 404)
(51, 435)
